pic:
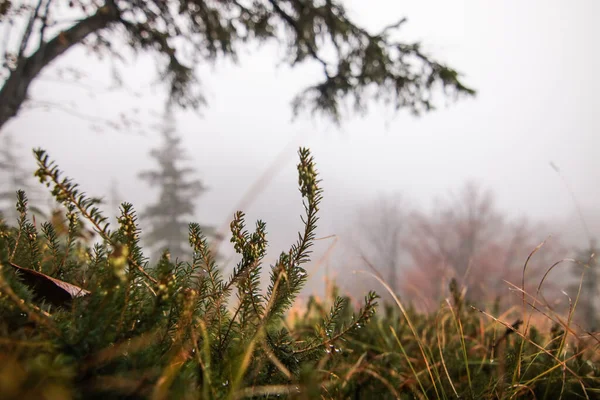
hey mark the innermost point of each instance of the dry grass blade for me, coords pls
(410, 364)
(327, 253)
(256, 188)
(554, 318)
(248, 353)
(119, 349)
(258, 391)
(459, 327)
(25, 343)
(161, 388)
(563, 364)
(440, 335)
(386, 383)
(273, 358)
(524, 317)
(411, 326)
(122, 385)
(353, 369)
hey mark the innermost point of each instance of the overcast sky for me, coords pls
(534, 65)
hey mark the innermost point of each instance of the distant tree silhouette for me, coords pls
(379, 235)
(178, 193)
(465, 237)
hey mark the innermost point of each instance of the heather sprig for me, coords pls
(174, 322)
(97, 320)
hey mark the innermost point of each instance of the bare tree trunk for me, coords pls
(14, 91)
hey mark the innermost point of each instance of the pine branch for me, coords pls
(14, 91)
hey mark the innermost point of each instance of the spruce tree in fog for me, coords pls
(168, 217)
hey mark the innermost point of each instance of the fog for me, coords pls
(532, 63)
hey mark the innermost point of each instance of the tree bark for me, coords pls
(14, 91)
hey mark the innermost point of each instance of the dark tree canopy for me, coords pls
(357, 65)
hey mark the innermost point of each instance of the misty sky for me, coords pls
(533, 63)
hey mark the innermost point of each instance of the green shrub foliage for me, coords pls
(83, 319)
(95, 320)
(463, 352)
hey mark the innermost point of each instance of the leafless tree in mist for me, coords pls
(379, 236)
(464, 236)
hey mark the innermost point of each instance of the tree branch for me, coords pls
(14, 90)
(29, 29)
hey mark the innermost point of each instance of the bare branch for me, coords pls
(14, 91)
(28, 30)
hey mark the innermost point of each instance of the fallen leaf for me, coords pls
(54, 291)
